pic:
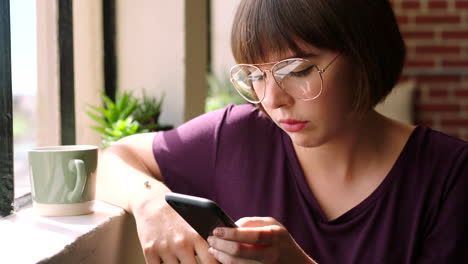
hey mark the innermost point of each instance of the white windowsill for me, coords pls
(28, 238)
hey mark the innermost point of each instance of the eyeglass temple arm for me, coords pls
(330, 63)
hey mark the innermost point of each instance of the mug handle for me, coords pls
(78, 166)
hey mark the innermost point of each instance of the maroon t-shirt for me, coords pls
(242, 160)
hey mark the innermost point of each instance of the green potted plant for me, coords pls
(125, 116)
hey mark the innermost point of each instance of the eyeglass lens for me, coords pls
(297, 77)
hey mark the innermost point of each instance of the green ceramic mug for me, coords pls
(63, 179)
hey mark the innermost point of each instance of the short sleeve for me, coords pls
(186, 155)
(447, 237)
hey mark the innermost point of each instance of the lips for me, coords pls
(292, 125)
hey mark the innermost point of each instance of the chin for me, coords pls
(306, 141)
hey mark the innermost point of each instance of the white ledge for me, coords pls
(28, 238)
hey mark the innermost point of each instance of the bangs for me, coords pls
(364, 31)
(265, 27)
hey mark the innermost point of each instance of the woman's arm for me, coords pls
(123, 170)
(129, 176)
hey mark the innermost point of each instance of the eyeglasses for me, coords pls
(298, 77)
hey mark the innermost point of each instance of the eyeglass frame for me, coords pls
(320, 72)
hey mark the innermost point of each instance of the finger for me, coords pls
(184, 250)
(226, 258)
(203, 255)
(250, 235)
(236, 249)
(186, 257)
(256, 221)
(152, 259)
(150, 254)
(169, 259)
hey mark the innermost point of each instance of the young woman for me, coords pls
(311, 171)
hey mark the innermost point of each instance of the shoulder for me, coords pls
(232, 119)
(438, 146)
(245, 117)
(245, 125)
(244, 112)
(440, 159)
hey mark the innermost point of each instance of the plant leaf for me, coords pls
(108, 102)
(124, 99)
(101, 130)
(97, 119)
(113, 117)
(101, 110)
(128, 109)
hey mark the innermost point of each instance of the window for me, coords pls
(24, 88)
(41, 31)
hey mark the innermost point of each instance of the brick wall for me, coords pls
(436, 35)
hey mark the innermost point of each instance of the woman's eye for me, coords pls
(302, 73)
(255, 78)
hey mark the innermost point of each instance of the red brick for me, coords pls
(461, 4)
(410, 5)
(437, 4)
(438, 107)
(438, 49)
(455, 34)
(438, 93)
(438, 19)
(418, 93)
(461, 93)
(427, 123)
(418, 34)
(420, 63)
(402, 19)
(403, 78)
(439, 79)
(455, 63)
(455, 122)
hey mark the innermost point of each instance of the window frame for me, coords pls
(6, 113)
(66, 66)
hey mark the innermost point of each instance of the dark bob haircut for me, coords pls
(364, 31)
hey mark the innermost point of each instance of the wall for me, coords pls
(88, 66)
(436, 34)
(154, 51)
(222, 15)
(47, 75)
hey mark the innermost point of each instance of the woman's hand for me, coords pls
(256, 240)
(166, 237)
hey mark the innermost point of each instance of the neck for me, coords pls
(351, 153)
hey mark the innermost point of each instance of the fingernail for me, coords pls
(219, 232)
(210, 240)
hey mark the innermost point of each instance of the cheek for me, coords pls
(337, 99)
(338, 91)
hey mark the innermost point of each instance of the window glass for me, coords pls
(24, 82)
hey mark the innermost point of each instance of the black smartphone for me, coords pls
(202, 214)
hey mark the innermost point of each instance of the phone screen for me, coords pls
(202, 214)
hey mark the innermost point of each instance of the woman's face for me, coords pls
(313, 123)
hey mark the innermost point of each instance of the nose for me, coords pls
(275, 96)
